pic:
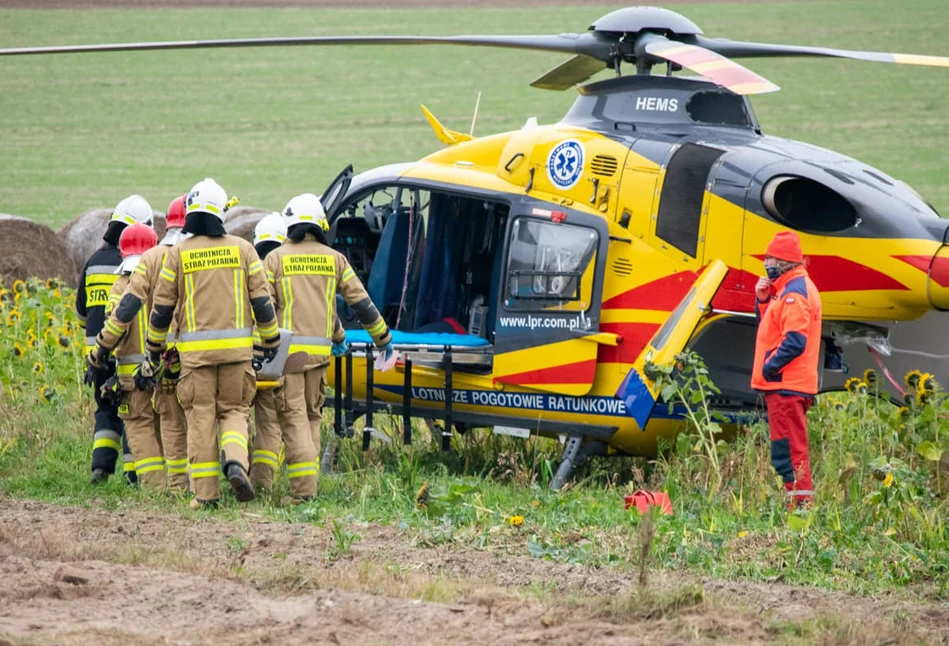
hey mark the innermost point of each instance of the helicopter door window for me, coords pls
(550, 266)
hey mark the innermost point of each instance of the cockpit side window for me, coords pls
(550, 266)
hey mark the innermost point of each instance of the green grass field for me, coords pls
(86, 130)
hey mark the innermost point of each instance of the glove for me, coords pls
(149, 372)
(387, 350)
(97, 357)
(171, 365)
(339, 349)
(270, 347)
(155, 350)
(89, 378)
(763, 289)
(112, 390)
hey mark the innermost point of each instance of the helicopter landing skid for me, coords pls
(577, 449)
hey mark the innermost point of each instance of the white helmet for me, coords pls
(306, 208)
(272, 228)
(207, 197)
(132, 210)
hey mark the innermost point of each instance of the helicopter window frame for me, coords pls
(550, 287)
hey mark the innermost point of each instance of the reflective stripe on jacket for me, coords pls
(787, 346)
(219, 288)
(136, 301)
(95, 283)
(129, 348)
(304, 278)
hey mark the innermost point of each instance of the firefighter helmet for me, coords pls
(176, 213)
(135, 240)
(174, 221)
(207, 197)
(306, 209)
(132, 210)
(271, 228)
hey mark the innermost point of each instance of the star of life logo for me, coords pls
(565, 163)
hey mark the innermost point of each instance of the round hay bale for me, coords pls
(29, 249)
(83, 234)
(241, 221)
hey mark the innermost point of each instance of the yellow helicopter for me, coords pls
(529, 276)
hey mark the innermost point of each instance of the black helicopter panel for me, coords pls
(632, 103)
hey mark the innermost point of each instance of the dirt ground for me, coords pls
(87, 575)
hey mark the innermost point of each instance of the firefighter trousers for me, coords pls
(144, 437)
(174, 434)
(212, 396)
(264, 459)
(787, 419)
(298, 408)
(108, 440)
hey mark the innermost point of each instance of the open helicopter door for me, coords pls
(637, 390)
(333, 196)
(547, 328)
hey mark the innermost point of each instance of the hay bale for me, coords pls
(241, 220)
(83, 234)
(29, 249)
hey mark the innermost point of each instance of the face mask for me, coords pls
(773, 272)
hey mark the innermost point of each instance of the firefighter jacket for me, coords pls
(787, 347)
(132, 306)
(304, 279)
(218, 283)
(128, 344)
(95, 284)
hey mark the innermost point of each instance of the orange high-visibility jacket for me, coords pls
(218, 283)
(304, 278)
(787, 347)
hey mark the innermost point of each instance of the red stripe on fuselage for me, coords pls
(635, 337)
(661, 294)
(940, 267)
(581, 372)
(836, 274)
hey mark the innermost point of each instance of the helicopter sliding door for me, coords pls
(427, 257)
(638, 391)
(547, 328)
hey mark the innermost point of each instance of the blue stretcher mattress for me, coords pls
(422, 338)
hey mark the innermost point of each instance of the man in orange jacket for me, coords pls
(787, 351)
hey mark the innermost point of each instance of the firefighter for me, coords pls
(128, 343)
(218, 283)
(95, 282)
(787, 351)
(305, 273)
(269, 234)
(174, 424)
(134, 303)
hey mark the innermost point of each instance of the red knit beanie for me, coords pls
(785, 246)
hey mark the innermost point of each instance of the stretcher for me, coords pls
(435, 349)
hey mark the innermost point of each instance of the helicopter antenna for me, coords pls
(474, 117)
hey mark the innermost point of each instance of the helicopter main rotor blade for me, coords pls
(739, 49)
(572, 71)
(588, 44)
(713, 66)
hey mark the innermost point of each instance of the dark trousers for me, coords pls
(109, 435)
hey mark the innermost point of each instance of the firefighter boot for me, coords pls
(240, 482)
